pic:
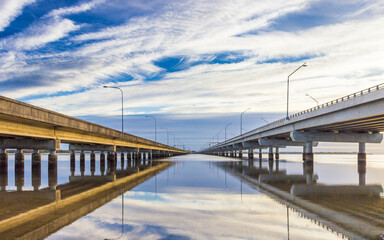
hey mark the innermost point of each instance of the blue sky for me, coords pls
(196, 65)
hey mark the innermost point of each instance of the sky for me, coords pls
(194, 65)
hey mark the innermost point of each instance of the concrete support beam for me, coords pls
(270, 153)
(36, 170)
(93, 162)
(19, 169)
(82, 162)
(3, 170)
(52, 170)
(278, 143)
(102, 163)
(91, 147)
(250, 144)
(30, 144)
(336, 137)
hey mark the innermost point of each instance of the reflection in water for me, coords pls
(199, 201)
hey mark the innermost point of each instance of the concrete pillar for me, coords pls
(19, 169)
(260, 153)
(308, 152)
(277, 154)
(3, 170)
(270, 153)
(111, 162)
(362, 170)
(122, 160)
(36, 170)
(93, 162)
(270, 166)
(250, 153)
(82, 162)
(240, 154)
(129, 159)
(52, 170)
(361, 156)
(362, 163)
(102, 163)
(73, 162)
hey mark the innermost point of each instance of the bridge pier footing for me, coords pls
(122, 160)
(19, 169)
(277, 154)
(270, 154)
(361, 164)
(260, 153)
(250, 153)
(82, 163)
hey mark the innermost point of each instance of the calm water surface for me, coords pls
(196, 199)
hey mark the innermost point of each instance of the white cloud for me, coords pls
(10, 9)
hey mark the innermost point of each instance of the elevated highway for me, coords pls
(357, 117)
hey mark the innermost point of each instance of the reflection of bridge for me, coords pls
(356, 118)
(36, 214)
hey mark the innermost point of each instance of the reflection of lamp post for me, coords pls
(122, 109)
(241, 121)
(306, 94)
(226, 131)
(167, 135)
(155, 126)
(303, 65)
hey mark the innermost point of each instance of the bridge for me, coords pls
(355, 118)
(27, 127)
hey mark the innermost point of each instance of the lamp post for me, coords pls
(167, 135)
(241, 121)
(226, 130)
(303, 65)
(306, 94)
(122, 109)
(218, 136)
(155, 126)
(264, 120)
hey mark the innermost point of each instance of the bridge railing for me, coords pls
(333, 102)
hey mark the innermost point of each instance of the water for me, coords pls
(197, 199)
(194, 199)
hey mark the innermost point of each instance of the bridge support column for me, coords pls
(3, 170)
(93, 162)
(277, 154)
(250, 153)
(73, 162)
(52, 170)
(362, 163)
(270, 166)
(111, 162)
(260, 154)
(308, 152)
(308, 163)
(82, 162)
(240, 154)
(270, 154)
(19, 169)
(102, 163)
(122, 161)
(36, 169)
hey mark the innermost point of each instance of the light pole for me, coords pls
(264, 120)
(174, 139)
(226, 130)
(241, 121)
(218, 136)
(155, 126)
(306, 94)
(122, 109)
(303, 65)
(167, 135)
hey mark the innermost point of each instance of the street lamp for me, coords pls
(226, 130)
(167, 135)
(264, 120)
(155, 125)
(218, 136)
(241, 121)
(122, 109)
(306, 94)
(303, 65)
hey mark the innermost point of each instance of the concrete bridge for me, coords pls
(24, 126)
(355, 118)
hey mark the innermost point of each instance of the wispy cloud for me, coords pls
(10, 9)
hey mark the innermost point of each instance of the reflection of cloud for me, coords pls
(194, 216)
